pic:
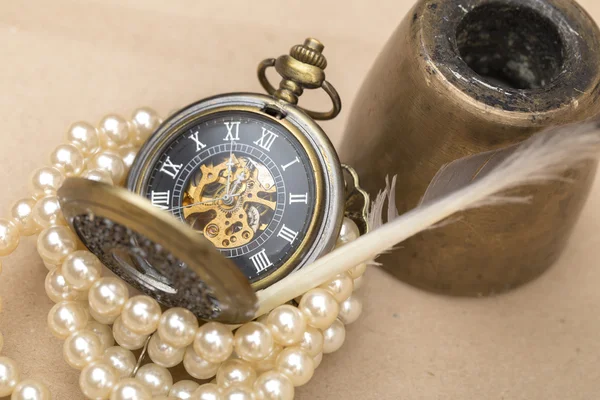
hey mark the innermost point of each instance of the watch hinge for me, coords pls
(274, 112)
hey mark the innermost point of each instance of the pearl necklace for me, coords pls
(263, 359)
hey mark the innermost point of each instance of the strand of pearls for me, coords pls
(261, 360)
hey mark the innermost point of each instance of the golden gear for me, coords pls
(224, 217)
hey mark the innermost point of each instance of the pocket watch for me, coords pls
(254, 174)
(253, 177)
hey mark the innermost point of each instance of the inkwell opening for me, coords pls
(511, 46)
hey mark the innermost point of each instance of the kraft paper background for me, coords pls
(68, 60)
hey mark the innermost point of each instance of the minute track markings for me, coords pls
(280, 231)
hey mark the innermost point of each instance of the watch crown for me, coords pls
(310, 53)
(303, 68)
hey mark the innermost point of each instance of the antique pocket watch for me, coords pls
(253, 175)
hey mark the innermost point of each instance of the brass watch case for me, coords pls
(326, 222)
(155, 253)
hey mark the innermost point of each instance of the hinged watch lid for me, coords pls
(155, 253)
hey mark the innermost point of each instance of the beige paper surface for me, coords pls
(66, 60)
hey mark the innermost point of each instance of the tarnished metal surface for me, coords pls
(459, 78)
(155, 253)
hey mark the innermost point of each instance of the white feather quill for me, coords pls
(540, 159)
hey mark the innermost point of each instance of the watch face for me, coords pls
(244, 182)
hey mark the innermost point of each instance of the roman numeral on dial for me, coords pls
(287, 234)
(199, 144)
(233, 130)
(286, 166)
(170, 169)
(266, 140)
(299, 198)
(261, 261)
(160, 199)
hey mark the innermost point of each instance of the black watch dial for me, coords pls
(244, 182)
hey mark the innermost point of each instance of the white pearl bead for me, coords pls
(208, 391)
(358, 282)
(126, 338)
(177, 327)
(334, 337)
(312, 341)
(268, 363)
(235, 373)
(253, 341)
(274, 385)
(46, 181)
(214, 342)
(68, 159)
(350, 310)
(58, 289)
(110, 162)
(9, 376)
(55, 243)
(183, 389)
(348, 233)
(107, 297)
(156, 378)
(128, 154)
(98, 175)
(141, 314)
(145, 121)
(320, 308)
(21, 214)
(9, 237)
(238, 393)
(122, 360)
(31, 389)
(67, 317)
(164, 354)
(164, 398)
(47, 212)
(103, 332)
(317, 360)
(114, 131)
(97, 380)
(294, 363)
(81, 348)
(357, 271)
(103, 319)
(81, 269)
(84, 137)
(287, 324)
(130, 389)
(340, 287)
(197, 366)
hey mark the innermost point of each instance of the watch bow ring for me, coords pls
(302, 69)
